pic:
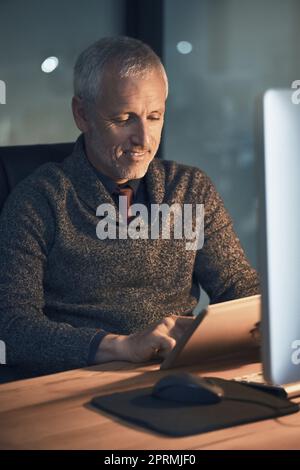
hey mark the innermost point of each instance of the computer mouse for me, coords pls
(187, 389)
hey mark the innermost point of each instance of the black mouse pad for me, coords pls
(242, 404)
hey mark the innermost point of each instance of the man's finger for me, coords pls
(164, 346)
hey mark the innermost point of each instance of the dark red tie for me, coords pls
(126, 191)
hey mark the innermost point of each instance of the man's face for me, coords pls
(124, 130)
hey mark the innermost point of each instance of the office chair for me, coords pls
(16, 163)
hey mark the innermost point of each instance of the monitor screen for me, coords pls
(279, 228)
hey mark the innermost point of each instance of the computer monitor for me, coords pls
(279, 227)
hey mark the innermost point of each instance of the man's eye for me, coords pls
(121, 121)
(126, 120)
(154, 118)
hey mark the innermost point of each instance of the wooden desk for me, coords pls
(52, 412)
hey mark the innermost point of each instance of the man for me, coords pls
(69, 298)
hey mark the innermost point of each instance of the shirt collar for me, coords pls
(111, 185)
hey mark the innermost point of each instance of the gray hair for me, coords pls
(131, 57)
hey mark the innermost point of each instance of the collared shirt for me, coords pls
(112, 186)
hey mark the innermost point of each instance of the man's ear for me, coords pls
(80, 114)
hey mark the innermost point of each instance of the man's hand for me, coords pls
(154, 342)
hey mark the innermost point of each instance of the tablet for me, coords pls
(221, 330)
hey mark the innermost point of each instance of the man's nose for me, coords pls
(140, 135)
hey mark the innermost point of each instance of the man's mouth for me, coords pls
(136, 155)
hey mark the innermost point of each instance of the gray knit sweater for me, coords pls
(59, 283)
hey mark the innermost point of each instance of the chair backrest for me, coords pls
(17, 162)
